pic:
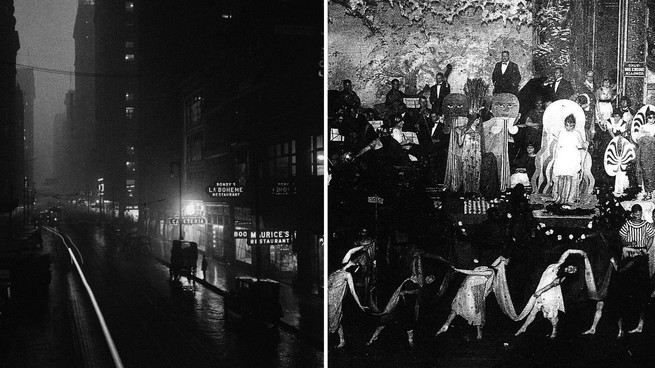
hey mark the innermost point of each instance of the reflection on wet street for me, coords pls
(158, 323)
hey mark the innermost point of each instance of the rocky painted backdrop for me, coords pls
(398, 48)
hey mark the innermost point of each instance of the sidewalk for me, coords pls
(303, 314)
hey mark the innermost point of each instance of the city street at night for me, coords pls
(153, 322)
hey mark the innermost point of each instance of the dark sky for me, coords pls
(45, 29)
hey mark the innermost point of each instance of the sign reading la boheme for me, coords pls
(225, 189)
(265, 237)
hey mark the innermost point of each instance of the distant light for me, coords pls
(190, 210)
(226, 16)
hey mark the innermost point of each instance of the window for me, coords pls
(129, 6)
(88, 2)
(317, 155)
(243, 252)
(129, 96)
(129, 112)
(129, 44)
(282, 160)
(130, 185)
(194, 149)
(129, 57)
(130, 166)
(194, 110)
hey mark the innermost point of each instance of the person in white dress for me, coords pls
(567, 163)
(469, 303)
(606, 96)
(548, 295)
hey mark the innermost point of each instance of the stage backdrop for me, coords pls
(414, 55)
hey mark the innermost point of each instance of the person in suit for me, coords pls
(506, 76)
(561, 88)
(347, 98)
(437, 93)
(394, 97)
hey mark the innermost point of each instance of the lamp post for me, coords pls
(179, 165)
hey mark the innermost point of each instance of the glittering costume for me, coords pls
(455, 108)
(337, 285)
(469, 303)
(471, 159)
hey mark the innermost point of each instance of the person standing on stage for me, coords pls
(506, 76)
(636, 237)
(438, 92)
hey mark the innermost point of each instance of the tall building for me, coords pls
(84, 109)
(116, 117)
(11, 136)
(25, 79)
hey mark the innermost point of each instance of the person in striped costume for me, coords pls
(636, 237)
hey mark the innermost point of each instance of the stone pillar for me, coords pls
(632, 50)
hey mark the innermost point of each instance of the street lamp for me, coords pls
(179, 165)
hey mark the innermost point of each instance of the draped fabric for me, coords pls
(471, 160)
(496, 136)
(337, 284)
(387, 314)
(552, 300)
(469, 302)
(646, 162)
(454, 166)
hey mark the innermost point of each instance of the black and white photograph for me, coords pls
(162, 183)
(490, 183)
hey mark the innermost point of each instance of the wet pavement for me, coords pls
(302, 314)
(153, 322)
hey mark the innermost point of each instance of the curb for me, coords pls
(315, 343)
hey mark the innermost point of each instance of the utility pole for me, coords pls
(179, 165)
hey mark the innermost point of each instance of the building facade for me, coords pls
(11, 173)
(253, 143)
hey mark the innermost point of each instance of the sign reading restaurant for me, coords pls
(225, 189)
(265, 237)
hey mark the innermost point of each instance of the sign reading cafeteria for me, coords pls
(188, 220)
(265, 236)
(225, 189)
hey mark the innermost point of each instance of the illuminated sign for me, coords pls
(265, 236)
(188, 220)
(283, 189)
(225, 189)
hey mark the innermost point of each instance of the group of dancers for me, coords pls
(618, 281)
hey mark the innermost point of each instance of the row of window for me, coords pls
(281, 157)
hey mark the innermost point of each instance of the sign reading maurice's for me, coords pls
(225, 189)
(265, 237)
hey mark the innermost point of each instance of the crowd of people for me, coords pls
(452, 140)
(485, 150)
